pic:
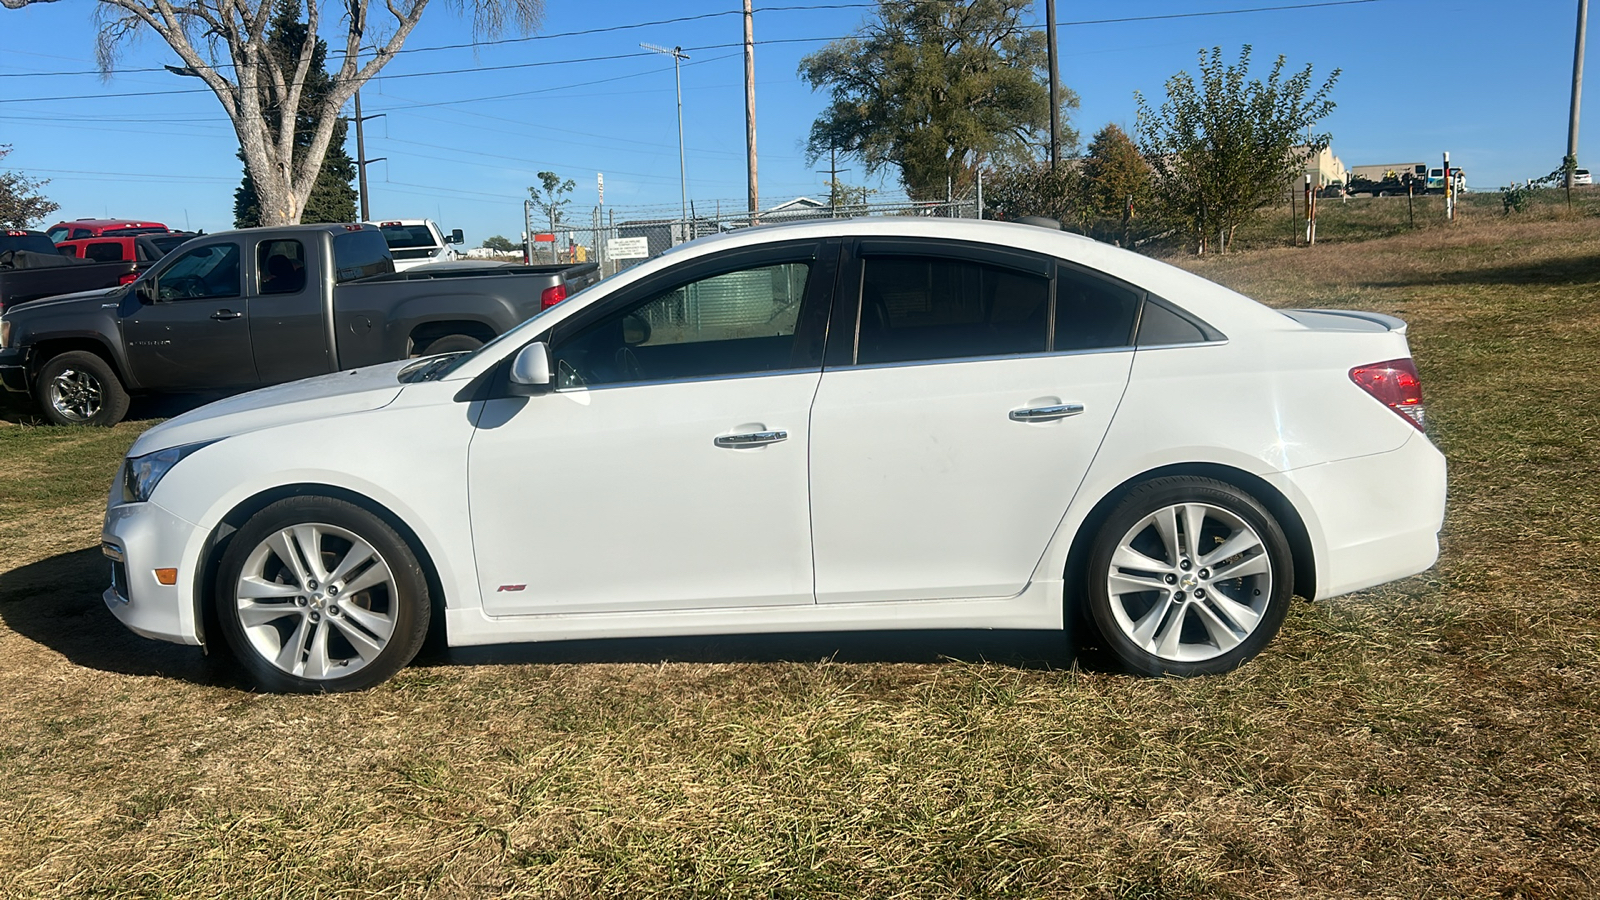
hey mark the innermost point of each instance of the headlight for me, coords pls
(141, 474)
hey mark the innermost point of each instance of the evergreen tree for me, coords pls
(1116, 188)
(332, 198)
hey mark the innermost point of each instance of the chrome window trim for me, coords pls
(1220, 343)
(610, 385)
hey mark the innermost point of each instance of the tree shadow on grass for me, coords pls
(57, 603)
(1557, 271)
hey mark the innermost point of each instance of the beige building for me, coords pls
(1323, 167)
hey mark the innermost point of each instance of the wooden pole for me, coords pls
(750, 108)
(1055, 84)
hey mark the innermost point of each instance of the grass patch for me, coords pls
(1431, 738)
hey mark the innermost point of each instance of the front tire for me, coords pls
(316, 594)
(1188, 576)
(80, 388)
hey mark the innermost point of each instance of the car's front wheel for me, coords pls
(1188, 576)
(80, 388)
(317, 594)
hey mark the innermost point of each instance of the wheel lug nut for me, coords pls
(333, 610)
(300, 601)
(1205, 573)
(1184, 565)
(1172, 579)
(1178, 595)
(333, 590)
(1199, 592)
(311, 585)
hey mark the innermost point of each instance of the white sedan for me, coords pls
(868, 425)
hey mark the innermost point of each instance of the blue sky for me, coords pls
(1487, 81)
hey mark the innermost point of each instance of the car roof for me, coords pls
(107, 223)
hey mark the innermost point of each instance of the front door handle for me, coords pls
(1047, 413)
(753, 439)
(221, 314)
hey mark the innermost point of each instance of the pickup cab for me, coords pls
(417, 242)
(31, 267)
(244, 309)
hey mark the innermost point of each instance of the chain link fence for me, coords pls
(620, 237)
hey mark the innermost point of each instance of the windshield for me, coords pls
(401, 237)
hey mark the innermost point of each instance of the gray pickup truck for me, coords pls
(243, 309)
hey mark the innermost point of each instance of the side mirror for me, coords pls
(145, 290)
(456, 237)
(530, 371)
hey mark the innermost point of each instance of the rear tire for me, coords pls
(451, 343)
(1188, 576)
(80, 388)
(316, 594)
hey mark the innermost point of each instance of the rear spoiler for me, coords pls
(1345, 320)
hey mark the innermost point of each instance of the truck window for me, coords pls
(57, 234)
(360, 254)
(202, 273)
(281, 267)
(104, 251)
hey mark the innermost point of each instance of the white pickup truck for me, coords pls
(415, 242)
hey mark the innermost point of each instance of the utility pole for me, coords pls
(1577, 91)
(678, 56)
(361, 156)
(1055, 85)
(750, 107)
(833, 182)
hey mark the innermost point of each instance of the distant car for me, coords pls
(88, 228)
(416, 242)
(142, 248)
(1581, 176)
(896, 423)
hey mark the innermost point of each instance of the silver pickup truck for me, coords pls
(243, 309)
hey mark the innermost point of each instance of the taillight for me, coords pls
(1395, 384)
(128, 278)
(551, 296)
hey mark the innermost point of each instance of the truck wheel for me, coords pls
(79, 388)
(451, 343)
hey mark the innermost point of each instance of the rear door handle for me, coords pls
(221, 314)
(1047, 413)
(753, 439)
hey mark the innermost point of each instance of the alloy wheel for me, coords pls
(75, 394)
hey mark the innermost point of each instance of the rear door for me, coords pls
(290, 323)
(947, 442)
(194, 334)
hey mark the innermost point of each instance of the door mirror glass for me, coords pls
(456, 237)
(145, 290)
(635, 330)
(530, 371)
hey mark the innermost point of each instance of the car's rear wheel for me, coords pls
(80, 388)
(317, 594)
(1188, 576)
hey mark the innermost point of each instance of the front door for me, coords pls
(195, 334)
(944, 453)
(667, 470)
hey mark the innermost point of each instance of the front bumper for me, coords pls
(147, 537)
(14, 371)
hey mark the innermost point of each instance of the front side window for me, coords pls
(729, 324)
(927, 308)
(281, 267)
(202, 273)
(57, 235)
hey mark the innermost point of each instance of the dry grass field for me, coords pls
(1434, 738)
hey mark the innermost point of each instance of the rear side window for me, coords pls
(280, 267)
(104, 251)
(360, 254)
(1161, 325)
(927, 308)
(81, 233)
(57, 235)
(1093, 313)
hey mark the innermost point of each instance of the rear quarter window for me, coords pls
(360, 254)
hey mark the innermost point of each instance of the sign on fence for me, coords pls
(628, 248)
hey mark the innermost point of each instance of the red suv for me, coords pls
(86, 228)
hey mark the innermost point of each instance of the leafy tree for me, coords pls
(1116, 188)
(21, 204)
(224, 44)
(1033, 189)
(332, 198)
(937, 89)
(847, 199)
(550, 197)
(1223, 147)
(499, 243)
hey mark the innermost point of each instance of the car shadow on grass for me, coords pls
(143, 408)
(57, 603)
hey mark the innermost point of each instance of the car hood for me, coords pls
(321, 397)
(59, 302)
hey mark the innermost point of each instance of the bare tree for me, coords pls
(263, 97)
